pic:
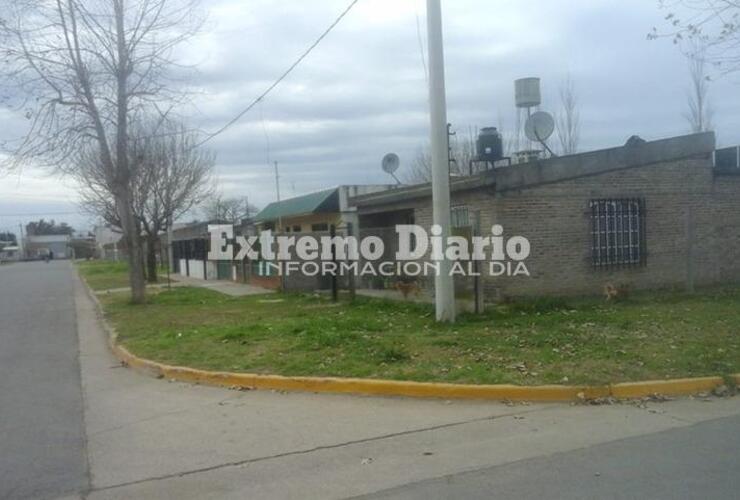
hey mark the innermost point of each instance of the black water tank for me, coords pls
(490, 146)
(727, 159)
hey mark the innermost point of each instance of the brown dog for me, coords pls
(407, 289)
(616, 292)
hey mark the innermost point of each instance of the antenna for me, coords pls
(390, 164)
(539, 128)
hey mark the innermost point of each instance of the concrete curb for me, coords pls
(543, 393)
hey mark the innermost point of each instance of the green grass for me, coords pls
(104, 275)
(650, 336)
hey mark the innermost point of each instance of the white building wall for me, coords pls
(196, 269)
(212, 270)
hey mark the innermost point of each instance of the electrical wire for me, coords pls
(422, 53)
(40, 214)
(282, 77)
(268, 157)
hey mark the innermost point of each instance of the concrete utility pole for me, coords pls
(170, 252)
(21, 243)
(444, 291)
(277, 188)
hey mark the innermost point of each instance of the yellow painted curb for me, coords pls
(675, 387)
(545, 393)
(361, 386)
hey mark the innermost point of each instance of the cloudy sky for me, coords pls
(362, 92)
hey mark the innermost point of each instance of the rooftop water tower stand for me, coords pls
(527, 94)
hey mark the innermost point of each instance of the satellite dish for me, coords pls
(390, 164)
(539, 127)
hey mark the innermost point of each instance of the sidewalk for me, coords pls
(226, 287)
(150, 438)
(222, 286)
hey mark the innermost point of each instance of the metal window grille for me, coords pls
(459, 217)
(618, 232)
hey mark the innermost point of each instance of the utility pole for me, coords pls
(21, 244)
(170, 253)
(444, 291)
(277, 187)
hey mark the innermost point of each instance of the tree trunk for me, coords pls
(124, 197)
(133, 239)
(151, 258)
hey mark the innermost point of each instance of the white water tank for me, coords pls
(527, 91)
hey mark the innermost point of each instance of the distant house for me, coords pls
(108, 244)
(645, 215)
(319, 212)
(57, 246)
(190, 245)
(190, 251)
(314, 212)
(10, 253)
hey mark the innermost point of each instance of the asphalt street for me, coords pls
(42, 444)
(698, 462)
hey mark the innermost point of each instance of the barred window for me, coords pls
(459, 217)
(618, 232)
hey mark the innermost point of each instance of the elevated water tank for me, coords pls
(527, 92)
(490, 145)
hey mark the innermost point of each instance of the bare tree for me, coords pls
(230, 210)
(172, 176)
(568, 118)
(462, 150)
(711, 24)
(86, 69)
(510, 137)
(699, 110)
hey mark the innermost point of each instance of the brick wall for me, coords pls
(555, 218)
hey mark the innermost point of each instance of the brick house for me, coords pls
(645, 215)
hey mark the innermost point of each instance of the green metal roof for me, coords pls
(322, 201)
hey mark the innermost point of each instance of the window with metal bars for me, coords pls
(618, 232)
(459, 217)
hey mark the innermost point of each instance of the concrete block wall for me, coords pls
(556, 219)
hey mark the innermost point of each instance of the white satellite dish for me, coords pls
(539, 127)
(390, 164)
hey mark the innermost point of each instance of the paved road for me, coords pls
(42, 446)
(697, 462)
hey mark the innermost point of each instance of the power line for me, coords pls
(421, 47)
(282, 77)
(40, 214)
(267, 136)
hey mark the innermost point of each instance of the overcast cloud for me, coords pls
(362, 92)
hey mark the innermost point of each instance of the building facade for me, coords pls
(642, 216)
(317, 214)
(56, 246)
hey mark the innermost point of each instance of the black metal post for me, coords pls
(351, 277)
(334, 288)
